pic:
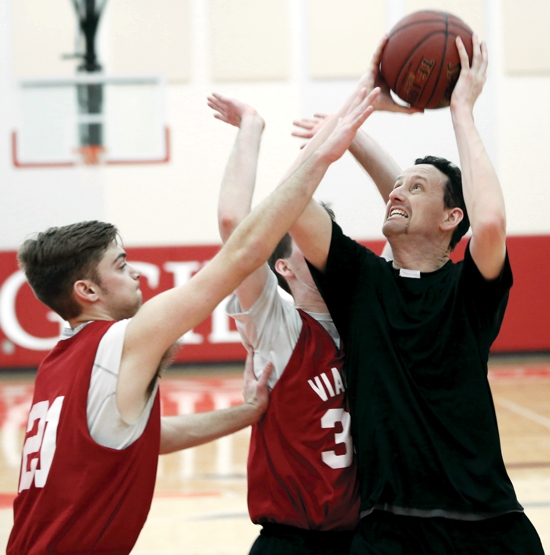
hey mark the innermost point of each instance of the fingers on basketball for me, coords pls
(421, 62)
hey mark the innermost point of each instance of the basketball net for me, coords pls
(91, 155)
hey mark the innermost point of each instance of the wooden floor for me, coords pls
(199, 506)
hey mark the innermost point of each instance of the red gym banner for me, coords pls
(28, 330)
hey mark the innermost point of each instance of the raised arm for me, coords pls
(370, 155)
(167, 316)
(377, 162)
(312, 232)
(238, 182)
(369, 80)
(239, 177)
(189, 430)
(482, 193)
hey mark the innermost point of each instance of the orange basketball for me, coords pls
(420, 62)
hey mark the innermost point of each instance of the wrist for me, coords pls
(253, 119)
(462, 114)
(461, 109)
(253, 411)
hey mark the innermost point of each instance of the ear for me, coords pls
(453, 217)
(85, 291)
(282, 268)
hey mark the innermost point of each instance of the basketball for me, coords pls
(420, 62)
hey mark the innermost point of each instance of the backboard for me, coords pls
(91, 119)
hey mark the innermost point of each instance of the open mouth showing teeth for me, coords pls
(398, 212)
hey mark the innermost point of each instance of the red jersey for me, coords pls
(301, 464)
(76, 496)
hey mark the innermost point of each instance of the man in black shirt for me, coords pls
(417, 333)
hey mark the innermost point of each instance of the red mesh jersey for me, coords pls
(76, 496)
(301, 465)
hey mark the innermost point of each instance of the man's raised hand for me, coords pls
(472, 75)
(373, 78)
(361, 107)
(306, 128)
(232, 111)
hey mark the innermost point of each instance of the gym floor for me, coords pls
(199, 506)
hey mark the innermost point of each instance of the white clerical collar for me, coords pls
(403, 272)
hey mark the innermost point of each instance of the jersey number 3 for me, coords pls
(329, 420)
(42, 443)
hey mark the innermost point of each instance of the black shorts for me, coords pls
(383, 533)
(278, 539)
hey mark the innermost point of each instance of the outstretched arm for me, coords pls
(482, 193)
(312, 232)
(376, 161)
(167, 316)
(370, 80)
(189, 430)
(239, 177)
(239, 180)
(370, 155)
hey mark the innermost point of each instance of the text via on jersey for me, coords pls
(324, 387)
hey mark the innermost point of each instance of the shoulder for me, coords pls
(113, 335)
(273, 300)
(345, 253)
(503, 282)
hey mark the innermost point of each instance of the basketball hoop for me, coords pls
(90, 119)
(92, 155)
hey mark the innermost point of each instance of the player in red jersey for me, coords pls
(301, 467)
(85, 490)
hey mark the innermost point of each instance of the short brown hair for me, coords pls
(54, 259)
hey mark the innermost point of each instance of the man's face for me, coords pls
(416, 203)
(119, 284)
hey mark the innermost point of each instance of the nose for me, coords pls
(136, 274)
(396, 193)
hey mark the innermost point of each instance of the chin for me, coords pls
(129, 311)
(393, 227)
(387, 229)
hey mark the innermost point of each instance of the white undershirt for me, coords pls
(105, 423)
(272, 327)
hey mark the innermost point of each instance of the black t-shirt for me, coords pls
(423, 420)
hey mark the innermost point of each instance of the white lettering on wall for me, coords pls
(10, 323)
(221, 333)
(181, 272)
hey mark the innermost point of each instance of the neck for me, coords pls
(87, 316)
(310, 301)
(424, 256)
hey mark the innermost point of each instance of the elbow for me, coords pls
(227, 223)
(492, 230)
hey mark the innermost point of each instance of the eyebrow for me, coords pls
(401, 178)
(121, 255)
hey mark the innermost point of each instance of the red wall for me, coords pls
(27, 330)
(526, 325)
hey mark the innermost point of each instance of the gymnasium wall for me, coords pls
(28, 330)
(288, 58)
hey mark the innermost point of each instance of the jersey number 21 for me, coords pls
(43, 443)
